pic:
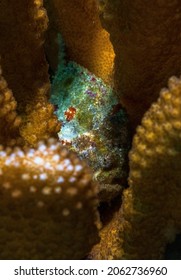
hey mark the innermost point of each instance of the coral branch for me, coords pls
(9, 120)
(147, 44)
(48, 204)
(87, 42)
(23, 23)
(151, 210)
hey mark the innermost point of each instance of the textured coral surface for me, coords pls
(48, 201)
(150, 215)
(147, 44)
(24, 67)
(48, 204)
(87, 42)
(9, 121)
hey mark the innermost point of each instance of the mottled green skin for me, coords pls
(98, 128)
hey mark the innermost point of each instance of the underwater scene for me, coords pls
(90, 130)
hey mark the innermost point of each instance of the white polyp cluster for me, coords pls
(46, 171)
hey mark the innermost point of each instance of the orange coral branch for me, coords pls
(87, 42)
(9, 120)
(25, 69)
(147, 43)
(48, 204)
(150, 215)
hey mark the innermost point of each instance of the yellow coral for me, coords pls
(23, 62)
(48, 204)
(9, 120)
(87, 42)
(150, 216)
(40, 121)
(147, 44)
